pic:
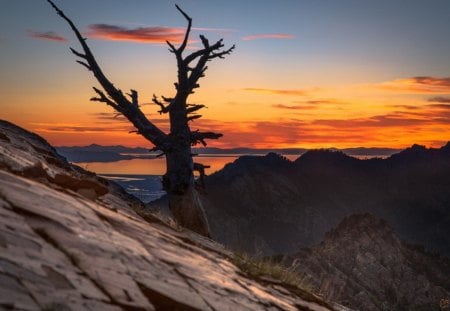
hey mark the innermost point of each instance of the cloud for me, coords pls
(156, 35)
(81, 128)
(294, 107)
(48, 35)
(109, 116)
(418, 85)
(439, 99)
(277, 91)
(268, 36)
(440, 106)
(391, 120)
(407, 107)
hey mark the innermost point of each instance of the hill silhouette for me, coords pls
(270, 205)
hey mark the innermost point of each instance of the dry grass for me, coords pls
(268, 269)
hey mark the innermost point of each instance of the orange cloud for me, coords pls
(294, 107)
(156, 34)
(81, 128)
(48, 35)
(268, 36)
(277, 91)
(400, 127)
(393, 119)
(418, 85)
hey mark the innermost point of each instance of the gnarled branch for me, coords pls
(194, 107)
(134, 97)
(116, 98)
(200, 168)
(198, 137)
(164, 108)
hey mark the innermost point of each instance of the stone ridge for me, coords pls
(364, 265)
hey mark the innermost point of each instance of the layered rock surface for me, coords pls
(70, 240)
(363, 264)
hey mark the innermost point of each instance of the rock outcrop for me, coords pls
(70, 240)
(363, 264)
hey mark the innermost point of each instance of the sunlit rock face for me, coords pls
(72, 241)
(363, 264)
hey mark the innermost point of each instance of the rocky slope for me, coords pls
(364, 265)
(270, 205)
(72, 241)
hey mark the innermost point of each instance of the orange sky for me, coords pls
(285, 85)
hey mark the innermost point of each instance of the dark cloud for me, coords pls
(418, 85)
(440, 106)
(48, 35)
(407, 107)
(439, 99)
(433, 81)
(109, 116)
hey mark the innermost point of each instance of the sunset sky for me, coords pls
(305, 73)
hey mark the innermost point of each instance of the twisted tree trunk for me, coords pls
(179, 182)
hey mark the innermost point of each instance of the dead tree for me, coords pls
(179, 182)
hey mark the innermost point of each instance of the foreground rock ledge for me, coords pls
(65, 248)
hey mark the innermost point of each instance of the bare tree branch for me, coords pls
(188, 29)
(194, 117)
(102, 98)
(84, 64)
(118, 101)
(134, 97)
(193, 108)
(164, 108)
(78, 53)
(199, 137)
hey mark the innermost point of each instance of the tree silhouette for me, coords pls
(179, 182)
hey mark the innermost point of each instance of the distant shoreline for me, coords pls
(97, 153)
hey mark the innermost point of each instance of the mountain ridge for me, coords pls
(363, 264)
(309, 196)
(98, 153)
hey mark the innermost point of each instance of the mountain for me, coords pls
(363, 264)
(70, 240)
(97, 153)
(269, 205)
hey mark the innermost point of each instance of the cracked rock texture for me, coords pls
(70, 240)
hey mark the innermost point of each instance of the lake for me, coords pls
(157, 166)
(142, 177)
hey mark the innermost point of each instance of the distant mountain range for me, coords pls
(270, 205)
(98, 153)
